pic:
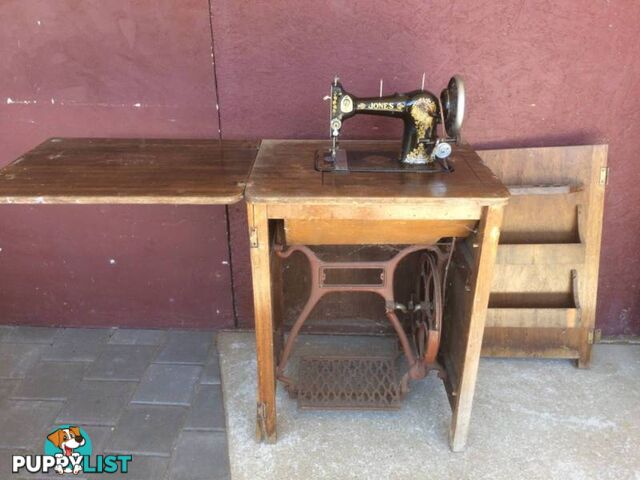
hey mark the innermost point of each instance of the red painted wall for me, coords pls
(537, 73)
(109, 68)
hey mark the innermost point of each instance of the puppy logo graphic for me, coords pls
(68, 450)
(71, 442)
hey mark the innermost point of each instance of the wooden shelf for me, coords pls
(550, 238)
(541, 254)
(563, 189)
(533, 317)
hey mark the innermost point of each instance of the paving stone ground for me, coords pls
(152, 393)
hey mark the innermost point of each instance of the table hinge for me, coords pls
(594, 336)
(253, 237)
(604, 175)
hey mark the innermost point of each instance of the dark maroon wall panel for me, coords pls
(109, 68)
(537, 73)
(143, 266)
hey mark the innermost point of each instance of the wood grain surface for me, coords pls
(284, 173)
(129, 171)
(546, 277)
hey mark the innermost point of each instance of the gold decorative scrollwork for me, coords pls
(423, 112)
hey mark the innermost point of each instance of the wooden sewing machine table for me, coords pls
(317, 208)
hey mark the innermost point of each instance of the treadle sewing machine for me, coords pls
(321, 381)
(421, 111)
(422, 195)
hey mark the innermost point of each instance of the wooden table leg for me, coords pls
(262, 301)
(488, 235)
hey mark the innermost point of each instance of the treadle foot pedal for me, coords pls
(348, 382)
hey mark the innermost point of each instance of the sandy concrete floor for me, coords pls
(532, 419)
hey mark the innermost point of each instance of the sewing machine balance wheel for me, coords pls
(453, 100)
(427, 321)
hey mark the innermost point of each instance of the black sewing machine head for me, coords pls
(421, 111)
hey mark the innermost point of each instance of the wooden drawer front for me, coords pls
(355, 232)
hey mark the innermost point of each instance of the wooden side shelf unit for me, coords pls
(543, 294)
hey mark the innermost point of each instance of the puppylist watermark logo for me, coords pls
(68, 450)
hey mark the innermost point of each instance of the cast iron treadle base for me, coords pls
(348, 382)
